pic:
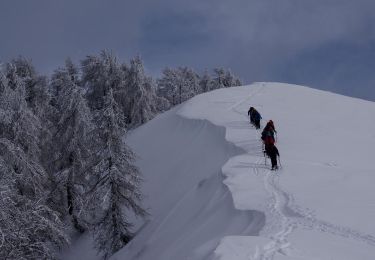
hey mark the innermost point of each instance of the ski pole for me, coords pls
(279, 161)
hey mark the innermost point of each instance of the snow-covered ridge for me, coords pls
(261, 189)
(319, 206)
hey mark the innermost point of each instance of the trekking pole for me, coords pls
(264, 154)
(265, 158)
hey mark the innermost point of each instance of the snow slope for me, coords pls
(211, 196)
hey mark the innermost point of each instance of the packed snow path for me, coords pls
(283, 215)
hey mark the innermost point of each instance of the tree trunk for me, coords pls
(70, 200)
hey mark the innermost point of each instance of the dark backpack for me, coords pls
(263, 135)
(267, 137)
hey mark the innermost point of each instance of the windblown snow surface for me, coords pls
(211, 196)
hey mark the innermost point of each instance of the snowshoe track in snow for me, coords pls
(290, 216)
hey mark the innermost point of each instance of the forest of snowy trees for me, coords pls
(65, 167)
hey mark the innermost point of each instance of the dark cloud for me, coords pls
(328, 44)
(339, 66)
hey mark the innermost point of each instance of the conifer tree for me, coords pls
(224, 79)
(36, 87)
(116, 189)
(219, 78)
(178, 85)
(28, 227)
(205, 82)
(140, 96)
(21, 126)
(70, 144)
(99, 73)
(167, 86)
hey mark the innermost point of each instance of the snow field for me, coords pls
(211, 196)
(322, 166)
(191, 209)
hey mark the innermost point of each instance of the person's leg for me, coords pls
(257, 123)
(267, 149)
(269, 153)
(274, 161)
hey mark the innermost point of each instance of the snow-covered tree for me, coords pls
(230, 80)
(190, 83)
(178, 85)
(138, 94)
(72, 70)
(205, 82)
(36, 86)
(99, 73)
(167, 86)
(60, 77)
(18, 123)
(28, 228)
(224, 79)
(33, 111)
(116, 188)
(20, 131)
(70, 144)
(219, 78)
(132, 89)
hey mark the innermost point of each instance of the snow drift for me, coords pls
(211, 196)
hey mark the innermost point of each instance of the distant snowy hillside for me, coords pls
(211, 196)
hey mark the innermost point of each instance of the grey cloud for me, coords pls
(323, 43)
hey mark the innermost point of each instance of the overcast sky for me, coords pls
(326, 44)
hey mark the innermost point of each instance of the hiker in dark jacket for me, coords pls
(255, 117)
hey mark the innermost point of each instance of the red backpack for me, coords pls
(268, 138)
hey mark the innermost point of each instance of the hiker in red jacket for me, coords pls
(268, 137)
